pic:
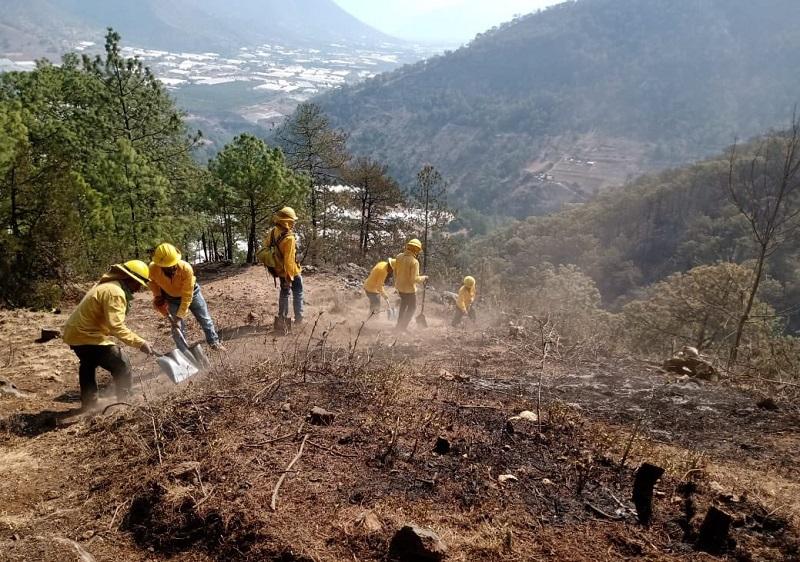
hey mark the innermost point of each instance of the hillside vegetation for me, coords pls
(648, 84)
(47, 27)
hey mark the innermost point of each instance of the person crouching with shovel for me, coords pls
(176, 293)
(407, 277)
(374, 286)
(101, 314)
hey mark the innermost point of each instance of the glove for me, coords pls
(286, 283)
(423, 279)
(146, 348)
(159, 301)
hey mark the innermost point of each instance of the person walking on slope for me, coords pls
(374, 285)
(100, 314)
(282, 238)
(176, 293)
(464, 300)
(407, 277)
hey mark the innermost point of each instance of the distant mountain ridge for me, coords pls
(39, 27)
(551, 107)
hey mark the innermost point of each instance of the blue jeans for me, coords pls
(199, 309)
(296, 287)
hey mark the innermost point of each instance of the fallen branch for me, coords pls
(332, 451)
(285, 472)
(268, 441)
(600, 513)
(107, 408)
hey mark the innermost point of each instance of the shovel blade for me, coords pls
(177, 366)
(422, 321)
(200, 358)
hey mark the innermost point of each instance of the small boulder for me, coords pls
(524, 422)
(415, 544)
(321, 416)
(48, 334)
(503, 478)
(767, 404)
(368, 521)
(9, 387)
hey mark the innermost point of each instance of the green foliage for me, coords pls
(700, 308)
(94, 168)
(319, 151)
(255, 181)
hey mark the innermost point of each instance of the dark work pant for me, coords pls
(460, 316)
(374, 302)
(109, 357)
(408, 305)
(296, 288)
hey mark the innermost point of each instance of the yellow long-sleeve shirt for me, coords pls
(466, 296)
(99, 315)
(406, 273)
(181, 284)
(289, 268)
(376, 281)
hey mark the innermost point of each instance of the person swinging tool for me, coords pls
(464, 300)
(407, 278)
(374, 286)
(176, 293)
(101, 314)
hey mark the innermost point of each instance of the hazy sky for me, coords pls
(439, 20)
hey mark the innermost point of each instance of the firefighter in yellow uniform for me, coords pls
(283, 238)
(464, 300)
(406, 279)
(177, 292)
(374, 286)
(101, 314)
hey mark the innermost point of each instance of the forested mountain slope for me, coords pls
(36, 27)
(556, 105)
(631, 237)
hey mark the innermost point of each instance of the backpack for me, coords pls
(271, 256)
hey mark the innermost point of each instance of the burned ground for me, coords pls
(189, 472)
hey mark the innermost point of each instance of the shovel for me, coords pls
(391, 312)
(180, 364)
(421, 320)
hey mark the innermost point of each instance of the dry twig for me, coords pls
(273, 503)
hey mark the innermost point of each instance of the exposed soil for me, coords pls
(188, 472)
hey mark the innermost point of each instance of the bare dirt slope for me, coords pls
(188, 472)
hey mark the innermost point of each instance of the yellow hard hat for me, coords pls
(135, 269)
(166, 255)
(469, 282)
(391, 262)
(414, 244)
(287, 213)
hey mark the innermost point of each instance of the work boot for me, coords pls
(89, 403)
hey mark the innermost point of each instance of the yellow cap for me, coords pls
(469, 282)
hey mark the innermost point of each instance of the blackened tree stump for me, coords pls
(646, 478)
